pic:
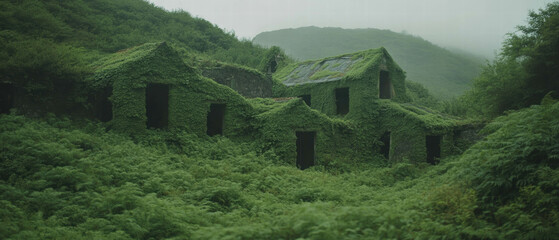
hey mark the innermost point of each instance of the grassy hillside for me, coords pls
(72, 180)
(444, 73)
(107, 26)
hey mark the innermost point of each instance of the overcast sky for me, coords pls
(477, 26)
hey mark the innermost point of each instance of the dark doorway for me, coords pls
(215, 119)
(384, 86)
(157, 105)
(273, 66)
(305, 149)
(433, 144)
(385, 148)
(306, 99)
(7, 95)
(103, 106)
(342, 101)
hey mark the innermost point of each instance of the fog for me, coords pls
(477, 26)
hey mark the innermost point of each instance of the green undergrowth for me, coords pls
(62, 179)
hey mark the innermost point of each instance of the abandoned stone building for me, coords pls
(349, 107)
(367, 89)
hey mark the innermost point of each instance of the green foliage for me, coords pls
(444, 73)
(69, 179)
(325, 74)
(420, 95)
(514, 171)
(64, 179)
(531, 141)
(274, 55)
(108, 26)
(369, 117)
(525, 71)
(535, 48)
(40, 66)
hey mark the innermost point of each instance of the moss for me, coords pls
(326, 74)
(190, 95)
(246, 81)
(278, 121)
(271, 123)
(369, 117)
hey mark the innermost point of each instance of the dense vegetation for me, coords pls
(107, 26)
(526, 70)
(70, 180)
(66, 178)
(444, 73)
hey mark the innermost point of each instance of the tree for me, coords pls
(526, 69)
(537, 49)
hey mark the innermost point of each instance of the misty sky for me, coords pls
(477, 26)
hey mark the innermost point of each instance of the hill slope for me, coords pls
(443, 72)
(108, 26)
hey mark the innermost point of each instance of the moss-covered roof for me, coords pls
(114, 61)
(331, 68)
(430, 118)
(155, 58)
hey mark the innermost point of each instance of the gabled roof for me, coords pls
(331, 68)
(126, 56)
(156, 58)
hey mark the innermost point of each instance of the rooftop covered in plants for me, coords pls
(331, 68)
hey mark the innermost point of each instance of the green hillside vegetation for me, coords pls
(444, 73)
(69, 177)
(105, 26)
(73, 180)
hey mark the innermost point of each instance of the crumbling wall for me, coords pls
(247, 82)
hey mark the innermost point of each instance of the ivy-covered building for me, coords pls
(339, 109)
(368, 90)
(149, 86)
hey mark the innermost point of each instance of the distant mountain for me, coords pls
(444, 73)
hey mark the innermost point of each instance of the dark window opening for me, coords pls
(103, 106)
(215, 119)
(385, 86)
(273, 66)
(305, 149)
(306, 99)
(7, 95)
(157, 105)
(385, 148)
(433, 149)
(342, 101)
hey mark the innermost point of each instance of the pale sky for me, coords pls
(477, 26)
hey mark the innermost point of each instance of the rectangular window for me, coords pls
(157, 105)
(305, 149)
(433, 144)
(342, 101)
(215, 119)
(103, 106)
(385, 148)
(385, 85)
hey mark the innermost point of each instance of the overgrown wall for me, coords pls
(247, 82)
(279, 122)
